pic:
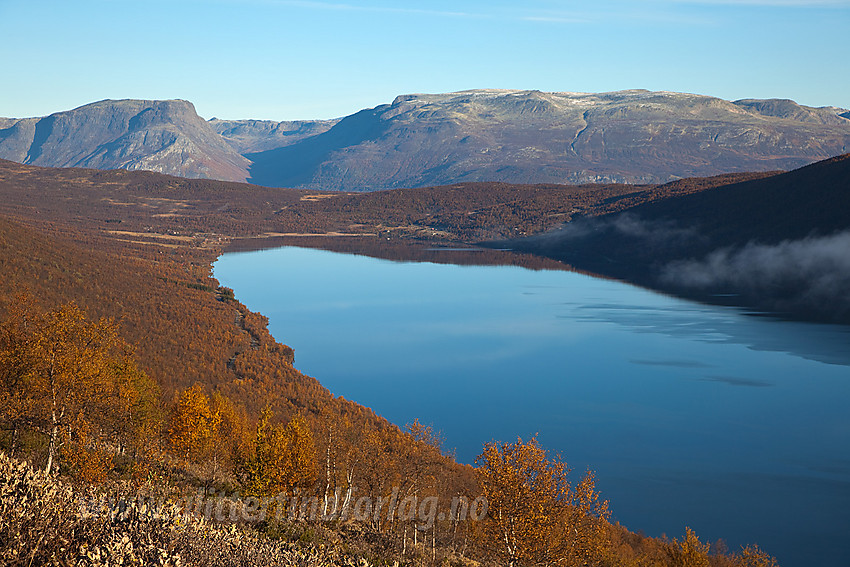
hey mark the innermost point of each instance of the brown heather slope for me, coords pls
(158, 287)
(169, 312)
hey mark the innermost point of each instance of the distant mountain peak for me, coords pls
(422, 139)
(166, 136)
(529, 136)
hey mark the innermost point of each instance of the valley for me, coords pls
(139, 246)
(425, 284)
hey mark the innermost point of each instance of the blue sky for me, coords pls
(291, 59)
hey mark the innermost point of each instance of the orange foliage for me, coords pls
(534, 515)
(283, 458)
(71, 379)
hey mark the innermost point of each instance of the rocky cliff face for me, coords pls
(420, 140)
(164, 136)
(535, 137)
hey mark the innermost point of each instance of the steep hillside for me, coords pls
(167, 309)
(781, 243)
(535, 137)
(164, 136)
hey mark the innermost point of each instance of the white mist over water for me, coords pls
(810, 273)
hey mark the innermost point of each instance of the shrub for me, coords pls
(43, 521)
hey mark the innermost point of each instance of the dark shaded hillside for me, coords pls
(812, 199)
(777, 243)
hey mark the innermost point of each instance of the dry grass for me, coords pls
(46, 521)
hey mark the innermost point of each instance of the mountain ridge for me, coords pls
(419, 140)
(633, 136)
(165, 136)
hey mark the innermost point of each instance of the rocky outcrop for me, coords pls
(165, 136)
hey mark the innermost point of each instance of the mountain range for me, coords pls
(421, 140)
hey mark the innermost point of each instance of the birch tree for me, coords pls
(534, 515)
(284, 458)
(59, 369)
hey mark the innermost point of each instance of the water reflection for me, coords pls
(690, 414)
(673, 363)
(735, 381)
(825, 343)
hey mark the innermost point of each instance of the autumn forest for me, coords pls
(128, 376)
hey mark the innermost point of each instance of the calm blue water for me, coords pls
(691, 415)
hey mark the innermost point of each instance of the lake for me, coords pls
(691, 415)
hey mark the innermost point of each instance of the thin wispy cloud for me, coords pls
(554, 19)
(652, 12)
(766, 3)
(345, 7)
(524, 16)
(615, 13)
